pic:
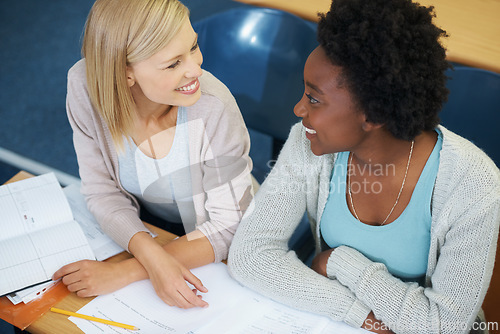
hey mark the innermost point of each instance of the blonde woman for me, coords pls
(154, 132)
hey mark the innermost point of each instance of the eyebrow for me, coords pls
(171, 59)
(314, 87)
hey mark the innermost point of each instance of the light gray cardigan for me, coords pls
(464, 231)
(216, 130)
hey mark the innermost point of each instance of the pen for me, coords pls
(88, 317)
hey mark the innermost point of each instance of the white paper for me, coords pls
(29, 294)
(103, 246)
(261, 315)
(38, 235)
(138, 305)
(233, 309)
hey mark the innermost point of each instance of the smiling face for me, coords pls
(170, 76)
(328, 112)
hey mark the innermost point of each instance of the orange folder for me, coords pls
(22, 315)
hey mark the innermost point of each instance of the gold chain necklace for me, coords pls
(400, 190)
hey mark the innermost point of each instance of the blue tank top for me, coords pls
(403, 245)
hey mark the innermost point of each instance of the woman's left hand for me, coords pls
(320, 261)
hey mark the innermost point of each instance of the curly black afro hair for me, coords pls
(391, 60)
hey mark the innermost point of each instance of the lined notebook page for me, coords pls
(68, 248)
(19, 264)
(38, 235)
(11, 223)
(40, 202)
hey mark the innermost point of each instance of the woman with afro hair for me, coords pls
(405, 213)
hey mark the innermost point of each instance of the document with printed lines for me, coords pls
(38, 234)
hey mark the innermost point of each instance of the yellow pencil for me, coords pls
(88, 317)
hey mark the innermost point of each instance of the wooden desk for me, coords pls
(56, 323)
(473, 26)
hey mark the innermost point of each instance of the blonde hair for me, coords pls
(119, 33)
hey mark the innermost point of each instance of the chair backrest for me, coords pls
(473, 108)
(259, 54)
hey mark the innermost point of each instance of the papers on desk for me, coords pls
(31, 293)
(39, 234)
(102, 246)
(233, 309)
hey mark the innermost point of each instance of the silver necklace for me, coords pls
(400, 190)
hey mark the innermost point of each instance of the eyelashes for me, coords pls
(174, 65)
(312, 100)
(177, 62)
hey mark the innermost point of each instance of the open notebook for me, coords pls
(38, 233)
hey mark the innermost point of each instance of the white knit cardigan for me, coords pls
(464, 232)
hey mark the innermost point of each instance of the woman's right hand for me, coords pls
(169, 280)
(88, 278)
(167, 275)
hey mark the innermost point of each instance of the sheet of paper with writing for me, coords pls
(102, 245)
(38, 235)
(138, 305)
(233, 309)
(261, 315)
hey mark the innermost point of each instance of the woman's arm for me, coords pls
(260, 257)
(115, 211)
(372, 324)
(220, 143)
(92, 278)
(459, 282)
(167, 275)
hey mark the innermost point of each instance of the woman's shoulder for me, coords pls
(464, 165)
(216, 98)
(213, 89)
(79, 106)
(77, 82)
(464, 154)
(77, 71)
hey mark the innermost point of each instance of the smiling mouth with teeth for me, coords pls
(311, 131)
(188, 87)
